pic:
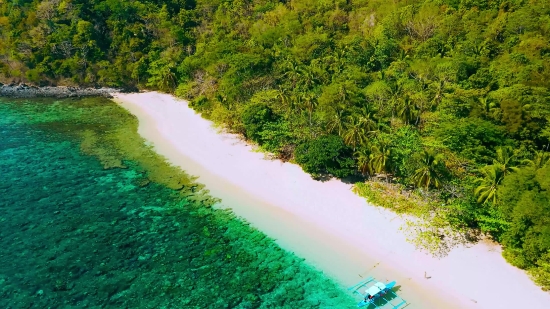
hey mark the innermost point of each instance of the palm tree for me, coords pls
(379, 158)
(479, 48)
(337, 122)
(539, 160)
(490, 108)
(367, 119)
(343, 92)
(430, 171)
(488, 184)
(396, 90)
(293, 71)
(438, 90)
(286, 101)
(308, 79)
(355, 132)
(310, 102)
(504, 160)
(407, 109)
(381, 94)
(340, 61)
(363, 160)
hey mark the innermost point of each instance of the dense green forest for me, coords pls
(449, 97)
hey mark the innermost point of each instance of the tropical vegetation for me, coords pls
(446, 97)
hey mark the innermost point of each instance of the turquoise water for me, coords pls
(82, 226)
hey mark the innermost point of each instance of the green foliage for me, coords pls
(390, 196)
(488, 184)
(162, 75)
(525, 204)
(33, 75)
(431, 94)
(256, 118)
(325, 155)
(431, 171)
(100, 42)
(541, 273)
(276, 137)
(474, 138)
(504, 161)
(405, 143)
(491, 221)
(433, 228)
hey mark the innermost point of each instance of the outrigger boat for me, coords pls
(377, 294)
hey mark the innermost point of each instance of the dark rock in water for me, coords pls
(26, 91)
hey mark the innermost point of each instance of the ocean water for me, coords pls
(90, 217)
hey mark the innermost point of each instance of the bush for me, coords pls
(255, 118)
(33, 75)
(475, 139)
(325, 155)
(275, 136)
(405, 142)
(389, 196)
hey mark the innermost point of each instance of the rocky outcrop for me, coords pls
(26, 91)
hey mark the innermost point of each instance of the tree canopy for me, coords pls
(447, 96)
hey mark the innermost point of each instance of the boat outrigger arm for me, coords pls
(377, 294)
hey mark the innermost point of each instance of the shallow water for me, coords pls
(91, 218)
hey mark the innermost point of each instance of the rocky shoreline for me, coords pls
(27, 91)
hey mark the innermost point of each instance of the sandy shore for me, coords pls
(325, 223)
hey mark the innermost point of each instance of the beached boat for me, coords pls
(378, 294)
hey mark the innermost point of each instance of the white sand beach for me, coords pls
(335, 230)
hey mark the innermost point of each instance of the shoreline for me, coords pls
(335, 230)
(29, 91)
